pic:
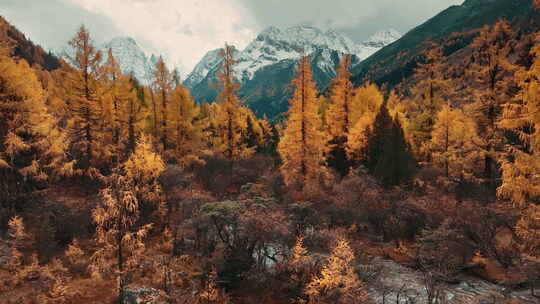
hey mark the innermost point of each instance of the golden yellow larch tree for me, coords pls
(84, 102)
(492, 86)
(521, 167)
(339, 116)
(124, 111)
(303, 143)
(118, 92)
(300, 265)
(368, 100)
(143, 167)
(132, 112)
(428, 95)
(338, 282)
(163, 82)
(453, 143)
(119, 233)
(186, 129)
(31, 140)
(119, 240)
(227, 117)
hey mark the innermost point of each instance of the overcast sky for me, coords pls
(184, 30)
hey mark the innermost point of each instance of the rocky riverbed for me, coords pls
(398, 284)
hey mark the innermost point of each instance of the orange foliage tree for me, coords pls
(339, 117)
(83, 100)
(302, 146)
(119, 233)
(337, 282)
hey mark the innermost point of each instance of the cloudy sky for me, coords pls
(183, 30)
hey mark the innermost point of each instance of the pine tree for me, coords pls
(491, 74)
(338, 283)
(339, 117)
(83, 98)
(388, 155)
(302, 146)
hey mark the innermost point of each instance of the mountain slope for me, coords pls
(397, 61)
(26, 49)
(266, 66)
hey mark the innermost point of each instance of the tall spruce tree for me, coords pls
(388, 154)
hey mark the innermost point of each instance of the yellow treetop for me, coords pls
(339, 113)
(368, 100)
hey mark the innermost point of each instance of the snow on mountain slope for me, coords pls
(130, 58)
(207, 64)
(376, 42)
(274, 45)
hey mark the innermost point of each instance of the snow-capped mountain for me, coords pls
(376, 42)
(130, 57)
(266, 66)
(382, 38)
(274, 45)
(207, 64)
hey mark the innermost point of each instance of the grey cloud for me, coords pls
(52, 23)
(356, 18)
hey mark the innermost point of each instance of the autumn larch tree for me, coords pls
(521, 167)
(368, 100)
(428, 95)
(302, 146)
(338, 282)
(163, 82)
(453, 143)
(119, 232)
(492, 86)
(339, 117)
(31, 140)
(118, 101)
(84, 104)
(133, 113)
(186, 129)
(227, 116)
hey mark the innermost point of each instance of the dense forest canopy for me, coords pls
(116, 191)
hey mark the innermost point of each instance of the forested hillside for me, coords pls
(424, 191)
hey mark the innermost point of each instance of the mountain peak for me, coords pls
(122, 40)
(208, 63)
(383, 37)
(130, 57)
(270, 31)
